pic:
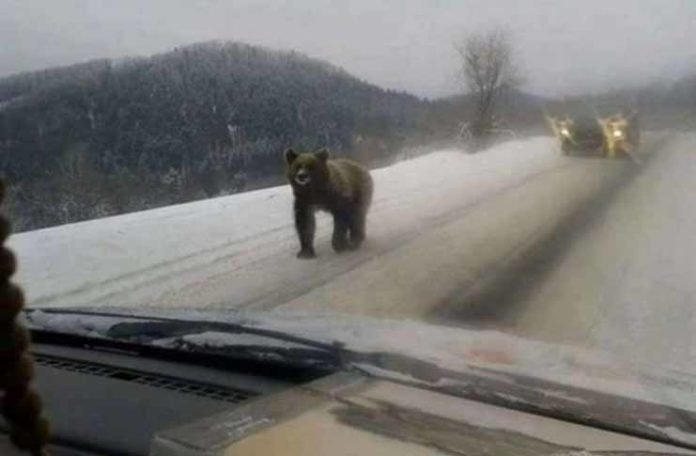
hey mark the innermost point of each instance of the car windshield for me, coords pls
(501, 178)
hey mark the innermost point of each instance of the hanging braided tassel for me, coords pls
(21, 406)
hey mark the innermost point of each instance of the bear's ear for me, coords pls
(290, 156)
(322, 154)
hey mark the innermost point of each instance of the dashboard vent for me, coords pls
(214, 392)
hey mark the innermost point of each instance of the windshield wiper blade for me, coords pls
(144, 330)
(151, 336)
(296, 367)
(160, 327)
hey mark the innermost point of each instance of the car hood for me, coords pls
(577, 384)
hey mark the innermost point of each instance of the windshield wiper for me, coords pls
(146, 333)
(170, 338)
(151, 327)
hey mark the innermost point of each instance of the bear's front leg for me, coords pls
(305, 225)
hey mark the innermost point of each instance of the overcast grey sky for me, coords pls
(564, 46)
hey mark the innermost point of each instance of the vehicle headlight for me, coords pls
(618, 133)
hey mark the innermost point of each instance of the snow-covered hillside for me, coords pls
(240, 250)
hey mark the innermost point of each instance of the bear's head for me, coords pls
(307, 172)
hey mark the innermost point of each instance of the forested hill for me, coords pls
(106, 137)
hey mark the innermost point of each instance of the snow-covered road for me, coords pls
(628, 284)
(439, 223)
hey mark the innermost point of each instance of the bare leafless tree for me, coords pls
(487, 70)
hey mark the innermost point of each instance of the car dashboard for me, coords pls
(114, 402)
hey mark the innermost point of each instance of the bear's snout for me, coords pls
(302, 177)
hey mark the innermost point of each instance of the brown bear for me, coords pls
(341, 187)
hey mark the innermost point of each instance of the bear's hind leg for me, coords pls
(339, 241)
(357, 230)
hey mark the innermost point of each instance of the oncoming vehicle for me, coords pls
(615, 136)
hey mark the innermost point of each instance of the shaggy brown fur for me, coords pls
(341, 187)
